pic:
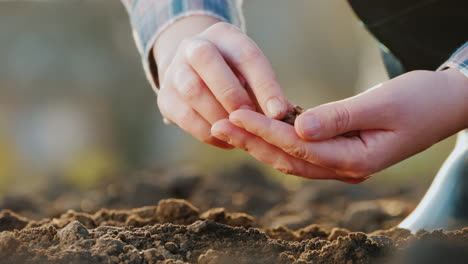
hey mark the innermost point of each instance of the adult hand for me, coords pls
(207, 75)
(395, 120)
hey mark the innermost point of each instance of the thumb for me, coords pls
(362, 112)
(324, 122)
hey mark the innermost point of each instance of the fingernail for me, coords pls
(275, 107)
(223, 137)
(247, 107)
(310, 125)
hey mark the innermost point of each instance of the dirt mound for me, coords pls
(175, 232)
(243, 189)
(236, 216)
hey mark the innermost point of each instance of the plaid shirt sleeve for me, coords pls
(459, 60)
(150, 17)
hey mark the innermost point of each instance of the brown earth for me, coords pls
(238, 216)
(291, 115)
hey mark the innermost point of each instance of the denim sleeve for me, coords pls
(459, 60)
(150, 17)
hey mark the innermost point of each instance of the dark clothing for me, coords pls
(421, 34)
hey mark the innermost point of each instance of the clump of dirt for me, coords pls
(221, 215)
(11, 221)
(177, 212)
(175, 232)
(291, 115)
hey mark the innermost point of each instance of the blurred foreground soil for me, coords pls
(238, 216)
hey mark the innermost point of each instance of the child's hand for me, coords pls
(211, 74)
(396, 120)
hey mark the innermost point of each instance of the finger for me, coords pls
(336, 153)
(267, 153)
(194, 91)
(273, 131)
(206, 60)
(174, 109)
(370, 110)
(247, 58)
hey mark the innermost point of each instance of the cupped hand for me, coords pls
(214, 73)
(390, 123)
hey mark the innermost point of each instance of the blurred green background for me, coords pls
(74, 102)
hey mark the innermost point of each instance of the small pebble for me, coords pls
(171, 247)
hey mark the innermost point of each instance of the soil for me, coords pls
(238, 216)
(291, 116)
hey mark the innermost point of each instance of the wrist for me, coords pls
(167, 43)
(457, 83)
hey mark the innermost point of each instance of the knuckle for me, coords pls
(185, 117)
(184, 44)
(230, 95)
(248, 54)
(341, 119)
(267, 85)
(190, 87)
(199, 52)
(298, 151)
